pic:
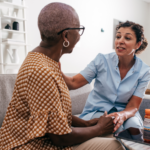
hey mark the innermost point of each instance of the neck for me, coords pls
(126, 62)
(52, 51)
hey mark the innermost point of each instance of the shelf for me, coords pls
(14, 18)
(12, 5)
(13, 31)
(15, 43)
(9, 64)
(12, 64)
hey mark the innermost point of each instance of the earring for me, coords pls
(66, 45)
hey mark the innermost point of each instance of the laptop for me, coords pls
(134, 134)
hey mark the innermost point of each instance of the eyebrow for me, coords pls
(126, 33)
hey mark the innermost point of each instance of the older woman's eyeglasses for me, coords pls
(81, 30)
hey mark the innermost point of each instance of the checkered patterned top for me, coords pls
(40, 104)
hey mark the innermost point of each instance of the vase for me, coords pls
(14, 56)
(7, 26)
(15, 25)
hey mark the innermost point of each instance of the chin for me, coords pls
(119, 53)
(70, 51)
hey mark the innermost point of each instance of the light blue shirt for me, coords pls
(109, 90)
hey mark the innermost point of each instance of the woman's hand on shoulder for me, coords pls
(119, 118)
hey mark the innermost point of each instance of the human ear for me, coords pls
(65, 36)
(138, 45)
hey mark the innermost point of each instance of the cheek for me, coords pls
(76, 38)
(129, 45)
(116, 42)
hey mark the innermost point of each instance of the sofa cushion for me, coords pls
(7, 83)
(144, 105)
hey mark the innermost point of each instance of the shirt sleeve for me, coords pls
(46, 114)
(90, 72)
(142, 85)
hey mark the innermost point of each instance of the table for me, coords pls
(135, 146)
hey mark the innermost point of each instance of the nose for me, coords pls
(121, 40)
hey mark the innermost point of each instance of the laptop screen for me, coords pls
(133, 134)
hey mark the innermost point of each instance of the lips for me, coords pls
(120, 49)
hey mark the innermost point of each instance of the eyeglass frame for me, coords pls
(71, 29)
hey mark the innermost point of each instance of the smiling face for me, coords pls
(126, 42)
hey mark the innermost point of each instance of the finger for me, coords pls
(117, 126)
(105, 114)
(117, 118)
(110, 115)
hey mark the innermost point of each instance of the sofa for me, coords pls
(78, 97)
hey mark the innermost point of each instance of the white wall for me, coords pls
(145, 56)
(94, 15)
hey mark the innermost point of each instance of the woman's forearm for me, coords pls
(132, 107)
(68, 81)
(77, 136)
(77, 122)
(129, 112)
(74, 82)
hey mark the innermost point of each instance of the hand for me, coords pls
(119, 119)
(92, 122)
(106, 124)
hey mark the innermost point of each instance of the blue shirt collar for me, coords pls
(134, 67)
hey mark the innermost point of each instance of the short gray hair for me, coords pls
(55, 17)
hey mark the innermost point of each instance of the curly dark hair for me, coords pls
(139, 32)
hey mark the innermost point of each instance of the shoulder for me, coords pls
(37, 67)
(142, 69)
(103, 57)
(142, 66)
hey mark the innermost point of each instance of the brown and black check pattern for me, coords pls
(40, 104)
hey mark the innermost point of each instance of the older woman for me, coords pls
(120, 79)
(39, 114)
